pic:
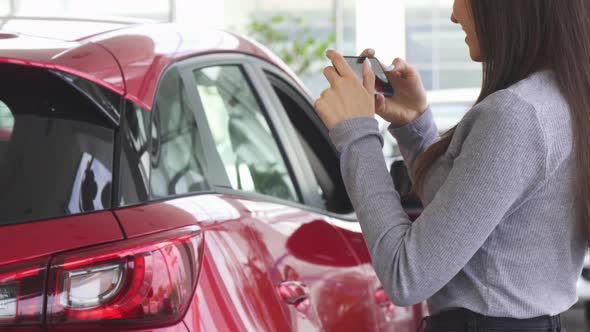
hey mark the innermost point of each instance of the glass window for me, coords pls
(318, 16)
(321, 155)
(437, 48)
(134, 163)
(177, 156)
(242, 136)
(4, 8)
(465, 77)
(56, 147)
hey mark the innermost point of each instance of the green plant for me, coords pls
(292, 40)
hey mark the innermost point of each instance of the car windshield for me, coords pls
(55, 148)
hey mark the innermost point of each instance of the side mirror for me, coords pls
(403, 185)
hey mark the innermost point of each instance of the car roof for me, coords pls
(128, 60)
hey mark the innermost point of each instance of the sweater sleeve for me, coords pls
(502, 158)
(415, 137)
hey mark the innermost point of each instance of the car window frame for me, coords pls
(254, 68)
(222, 184)
(204, 135)
(308, 176)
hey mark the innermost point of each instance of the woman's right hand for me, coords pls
(409, 100)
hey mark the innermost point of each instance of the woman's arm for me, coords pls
(502, 160)
(415, 138)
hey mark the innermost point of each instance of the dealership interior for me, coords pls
(298, 32)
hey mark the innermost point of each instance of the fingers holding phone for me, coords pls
(355, 65)
(347, 97)
(409, 101)
(369, 77)
(368, 53)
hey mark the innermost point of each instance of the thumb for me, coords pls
(368, 77)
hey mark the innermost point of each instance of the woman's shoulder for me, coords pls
(532, 104)
(540, 89)
(501, 108)
(536, 97)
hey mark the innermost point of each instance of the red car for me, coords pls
(167, 180)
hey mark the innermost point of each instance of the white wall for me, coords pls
(381, 25)
(200, 13)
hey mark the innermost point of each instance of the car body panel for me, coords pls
(180, 327)
(202, 209)
(83, 59)
(145, 51)
(253, 245)
(388, 317)
(42, 238)
(233, 292)
(301, 246)
(142, 53)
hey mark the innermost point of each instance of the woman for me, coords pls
(501, 241)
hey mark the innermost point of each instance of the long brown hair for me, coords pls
(517, 38)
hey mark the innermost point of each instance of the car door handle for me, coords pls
(381, 297)
(293, 292)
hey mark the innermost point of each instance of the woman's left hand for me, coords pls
(347, 97)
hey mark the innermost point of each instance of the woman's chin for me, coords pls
(475, 56)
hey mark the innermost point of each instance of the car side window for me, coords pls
(56, 147)
(313, 137)
(177, 158)
(243, 138)
(134, 160)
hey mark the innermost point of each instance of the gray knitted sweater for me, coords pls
(498, 234)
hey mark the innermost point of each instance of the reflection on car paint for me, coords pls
(206, 208)
(235, 274)
(135, 156)
(317, 256)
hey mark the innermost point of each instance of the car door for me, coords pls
(312, 136)
(166, 178)
(313, 272)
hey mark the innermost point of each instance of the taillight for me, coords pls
(140, 283)
(21, 295)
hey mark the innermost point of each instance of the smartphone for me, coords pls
(382, 84)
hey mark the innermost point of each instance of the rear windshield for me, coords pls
(56, 147)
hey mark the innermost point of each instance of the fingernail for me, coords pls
(328, 50)
(368, 62)
(371, 52)
(390, 68)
